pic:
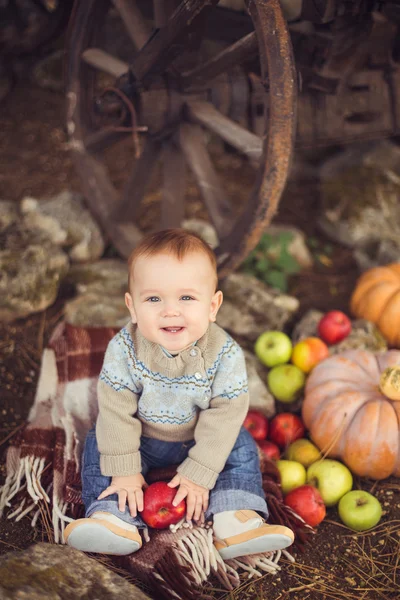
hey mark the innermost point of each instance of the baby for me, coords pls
(173, 390)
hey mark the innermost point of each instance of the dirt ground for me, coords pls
(337, 564)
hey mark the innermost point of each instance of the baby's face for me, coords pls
(173, 301)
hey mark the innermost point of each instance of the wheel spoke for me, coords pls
(236, 135)
(174, 186)
(97, 58)
(104, 138)
(139, 31)
(102, 198)
(191, 139)
(163, 47)
(163, 9)
(244, 49)
(135, 187)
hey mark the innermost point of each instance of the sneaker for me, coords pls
(243, 532)
(103, 533)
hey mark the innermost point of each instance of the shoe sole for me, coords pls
(102, 537)
(266, 543)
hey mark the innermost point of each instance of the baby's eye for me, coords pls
(187, 298)
(153, 299)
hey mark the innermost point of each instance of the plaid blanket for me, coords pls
(43, 471)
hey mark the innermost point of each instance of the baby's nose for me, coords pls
(171, 311)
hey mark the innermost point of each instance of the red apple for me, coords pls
(285, 429)
(256, 424)
(269, 449)
(307, 502)
(334, 327)
(159, 511)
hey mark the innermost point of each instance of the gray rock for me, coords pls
(93, 310)
(51, 572)
(9, 214)
(100, 288)
(297, 247)
(307, 326)
(250, 307)
(261, 398)
(108, 276)
(360, 190)
(31, 268)
(206, 231)
(66, 222)
(364, 334)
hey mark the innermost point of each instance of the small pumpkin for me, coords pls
(348, 415)
(376, 297)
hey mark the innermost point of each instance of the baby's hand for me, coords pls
(196, 497)
(128, 488)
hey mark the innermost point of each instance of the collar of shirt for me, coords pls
(173, 355)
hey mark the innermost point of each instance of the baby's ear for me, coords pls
(129, 306)
(215, 305)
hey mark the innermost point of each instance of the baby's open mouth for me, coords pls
(172, 329)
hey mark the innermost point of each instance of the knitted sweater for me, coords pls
(199, 394)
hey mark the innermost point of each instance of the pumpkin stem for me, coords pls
(389, 383)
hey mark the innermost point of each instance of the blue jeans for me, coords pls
(238, 487)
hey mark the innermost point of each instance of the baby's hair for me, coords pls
(178, 242)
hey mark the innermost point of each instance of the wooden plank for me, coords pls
(191, 140)
(174, 186)
(102, 61)
(127, 209)
(246, 142)
(138, 29)
(163, 47)
(244, 49)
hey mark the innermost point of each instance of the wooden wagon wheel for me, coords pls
(159, 93)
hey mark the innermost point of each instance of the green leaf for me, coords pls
(285, 237)
(288, 263)
(262, 266)
(277, 279)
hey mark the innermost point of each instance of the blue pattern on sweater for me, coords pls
(173, 400)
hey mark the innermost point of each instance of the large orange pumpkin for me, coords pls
(349, 417)
(376, 298)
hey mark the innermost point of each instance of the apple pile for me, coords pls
(310, 483)
(289, 365)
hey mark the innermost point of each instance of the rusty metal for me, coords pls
(277, 63)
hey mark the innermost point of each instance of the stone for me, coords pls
(65, 221)
(52, 572)
(205, 230)
(9, 214)
(364, 334)
(360, 209)
(307, 326)
(297, 248)
(31, 269)
(108, 276)
(100, 289)
(260, 397)
(250, 307)
(92, 310)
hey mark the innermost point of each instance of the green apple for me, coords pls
(285, 382)
(292, 473)
(273, 348)
(303, 451)
(332, 478)
(359, 510)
